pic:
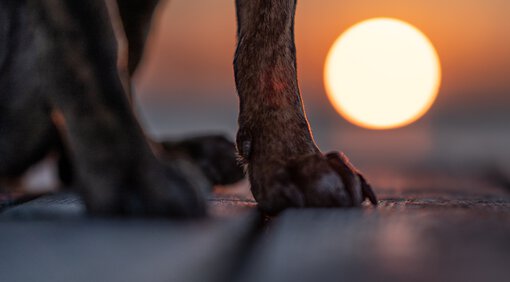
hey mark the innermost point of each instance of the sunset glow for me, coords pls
(382, 73)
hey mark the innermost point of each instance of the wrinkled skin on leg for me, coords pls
(285, 167)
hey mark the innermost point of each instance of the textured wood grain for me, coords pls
(52, 239)
(427, 227)
(435, 228)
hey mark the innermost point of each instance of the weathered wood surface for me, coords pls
(225, 202)
(50, 207)
(52, 239)
(428, 228)
(10, 199)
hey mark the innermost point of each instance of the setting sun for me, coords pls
(382, 73)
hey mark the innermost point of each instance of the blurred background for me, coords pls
(185, 85)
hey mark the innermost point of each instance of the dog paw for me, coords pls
(312, 180)
(215, 155)
(175, 189)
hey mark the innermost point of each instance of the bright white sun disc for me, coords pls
(382, 73)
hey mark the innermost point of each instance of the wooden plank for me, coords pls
(336, 245)
(232, 200)
(429, 229)
(52, 207)
(51, 239)
(10, 199)
(226, 201)
(121, 250)
(426, 228)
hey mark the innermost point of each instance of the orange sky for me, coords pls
(186, 84)
(195, 40)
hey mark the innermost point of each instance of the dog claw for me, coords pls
(313, 180)
(368, 193)
(354, 181)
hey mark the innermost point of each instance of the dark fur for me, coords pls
(285, 166)
(59, 57)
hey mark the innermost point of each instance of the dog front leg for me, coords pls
(285, 167)
(78, 61)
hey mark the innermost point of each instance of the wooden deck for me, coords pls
(428, 227)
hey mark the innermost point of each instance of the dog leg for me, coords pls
(78, 58)
(214, 154)
(136, 16)
(285, 167)
(27, 134)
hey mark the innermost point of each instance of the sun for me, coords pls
(382, 73)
